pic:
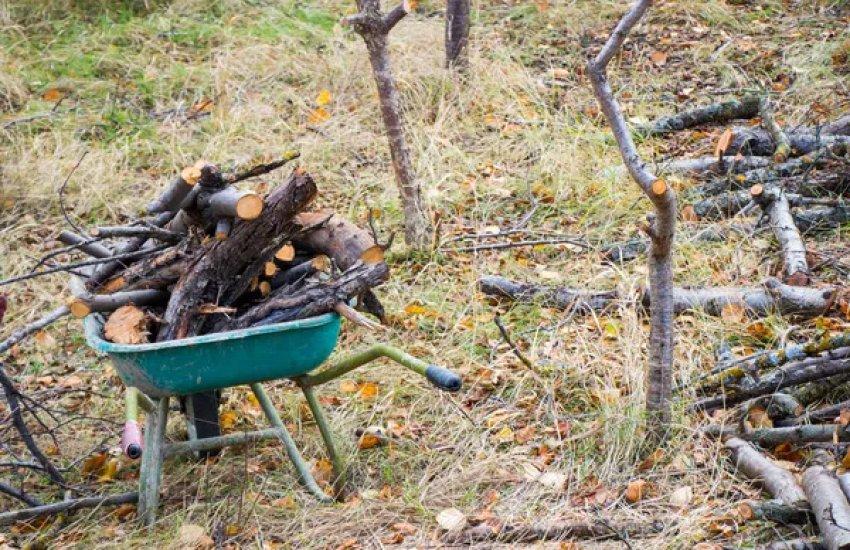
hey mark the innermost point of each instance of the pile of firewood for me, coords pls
(212, 258)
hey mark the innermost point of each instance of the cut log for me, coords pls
(222, 270)
(82, 244)
(301, 271)
(747, 107)
(315, 298)
(723, 165)
(780, 483)
(154, 272)
(775, 205)
(83, 302)
(624, 251)
(796, 435)
(233, 203)
(829, 506)
(177, 191)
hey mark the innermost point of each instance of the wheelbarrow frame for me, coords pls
(154, 450)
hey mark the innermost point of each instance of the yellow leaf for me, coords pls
(232, 530)
(636, 490)
(285, 503)
(109, 471)
(227, 420)
(318, 115)
(658, 58)
(93, 464)
(324, 97)
(757, 417)
(368, 390)
(505, 435)
(415, 309)
(53, 94)
(348, 386)
(733, 313)
(368, 441)
(760, 331)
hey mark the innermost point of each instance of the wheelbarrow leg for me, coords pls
(152, 456)
(304, 475)
(327, 436)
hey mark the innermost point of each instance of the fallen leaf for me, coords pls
(93, 464)
(348, 386)
(689, 214)
(368, 390)
(53, 94)
(451, 519)
(723, 142)
(682, 496)
(324, 97)
(649, 462)
(126, 325)
(636, 490)
(318, 115)
(553, 480)
(733, 313)
(193, 537)
(109, 470)
(227, 420)
(658, 58)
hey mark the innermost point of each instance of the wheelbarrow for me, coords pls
(154, 373)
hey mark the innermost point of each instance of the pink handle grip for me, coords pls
(131, 439)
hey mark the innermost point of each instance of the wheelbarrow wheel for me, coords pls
(205, 418)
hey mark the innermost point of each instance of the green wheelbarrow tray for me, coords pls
(221, 360)
(153, 373)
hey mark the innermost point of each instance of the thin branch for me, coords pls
(501, 246)
(62, 195)
(20, 495)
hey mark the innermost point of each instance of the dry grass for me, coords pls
(480, 145)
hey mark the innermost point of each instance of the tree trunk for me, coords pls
(457, 34)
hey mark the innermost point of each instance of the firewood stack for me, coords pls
(213, 258)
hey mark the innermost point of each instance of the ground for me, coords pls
(149, 87)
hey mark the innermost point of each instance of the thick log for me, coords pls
(792, 374)
(94, 249)
(814, 392)
(839, 127)
(771, 437)
(775, 205)
(780, 483)
(793, 544)
(746, 107)
(624, 252)
(829, 506)
(221, 271)
(756, 141)
(722, 206)
(822, 219)
(724, 165)
(300, 272)
(314, 298)
(824, 414)
(768, 173)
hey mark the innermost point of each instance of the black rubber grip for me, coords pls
(443, 378)
(134, 451)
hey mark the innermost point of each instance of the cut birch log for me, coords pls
(780, 483)
(746, 107)
(82, 244)
(222, 270)
(771, 437)
(829, 506)
(723, 165)
(233, 203)
(775, 205)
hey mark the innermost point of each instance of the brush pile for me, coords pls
(213, 258)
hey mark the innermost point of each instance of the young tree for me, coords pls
(661, 231)
(457, 33)
(374, 27)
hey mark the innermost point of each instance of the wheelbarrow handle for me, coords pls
(443, 378)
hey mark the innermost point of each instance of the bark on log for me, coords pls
(176, 192)
(559, 297)
(137, 231)
(780, 483)
(374, 28)
(772, 297)
(839, 127)
(724, 165)
(94, 249)
(756, 141)
(519, 533)
(313, 299)
(771, 437)
(457, 34)
(824, 414)
(775, 205)
(770, 173)
(793, 544)
(814, 392)
(776, 511)
(8, 518)
(829, 506)
(222, 270)
(746, 107)
(155, 272)
(783, 147)
(625, 251)
(222, 228)
(821, 219)
(233, 203)
(343, 242)
(792, 374)
(83, 302)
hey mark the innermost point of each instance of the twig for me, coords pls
(32, 328)
(516, 351)
(62, 194)
(20, 495)
(261, 169)
(502, 246)
(96, 261)
(67, 506)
